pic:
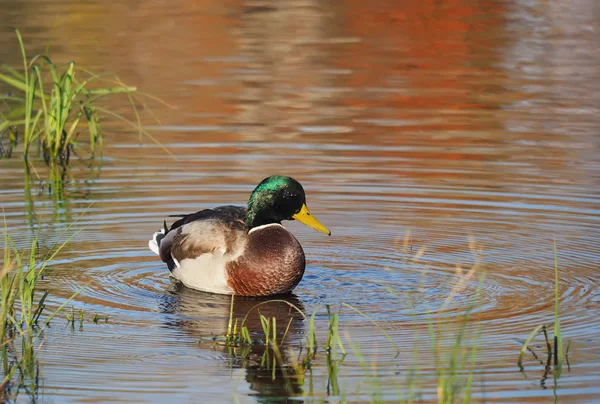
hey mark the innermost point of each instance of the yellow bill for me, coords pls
(305, 217)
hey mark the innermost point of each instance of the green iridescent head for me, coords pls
(279, 198)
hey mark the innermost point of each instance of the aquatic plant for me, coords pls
(54, 104)
(454, 347)
(23, 316)
(454, 373)
(555, 352)
(455, 370)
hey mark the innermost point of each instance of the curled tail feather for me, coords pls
(154, 243)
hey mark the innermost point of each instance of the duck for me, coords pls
(240, 250)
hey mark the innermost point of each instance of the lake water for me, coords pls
(427, 121)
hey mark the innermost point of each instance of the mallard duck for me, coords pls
(240, 250)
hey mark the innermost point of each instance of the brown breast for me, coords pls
(273, 263)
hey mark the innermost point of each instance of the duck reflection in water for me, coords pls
(205, 316)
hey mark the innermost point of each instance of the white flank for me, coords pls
(206, 273)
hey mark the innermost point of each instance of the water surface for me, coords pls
(447, 121)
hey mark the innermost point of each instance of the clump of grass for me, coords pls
(232, 337)
(455, 370)
(75, 317)
(96, 319)
(555, 352)
(22, 313)
(78, 317)
(454, 349)
(54, 104)
(267, 345)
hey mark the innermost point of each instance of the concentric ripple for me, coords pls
(401, 255)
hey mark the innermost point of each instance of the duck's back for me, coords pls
(231, 216)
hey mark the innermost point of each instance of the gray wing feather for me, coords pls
(222, 228)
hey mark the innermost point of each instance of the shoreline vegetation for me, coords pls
(55, 111)
(23, 313)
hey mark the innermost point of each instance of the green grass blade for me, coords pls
(536, 331)
(73, 126)
(14, 82)
(115, 90)
(15, 73)
(558, 353)
(91, 116)
(311, 339)
(58, 310)
(286, 330)
(271, 301)
(135, 126)
(6, 124)
(375, 324)
(11, 98)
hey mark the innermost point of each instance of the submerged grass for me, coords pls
(555, 353)
(54, 104)
(454, 350)
(23, 316)
(454, 373)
